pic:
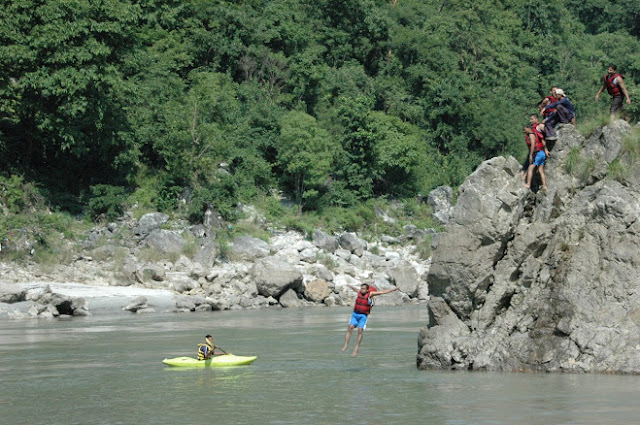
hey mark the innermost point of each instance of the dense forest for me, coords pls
(104, 102)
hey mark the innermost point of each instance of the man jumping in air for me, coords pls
(361, 311)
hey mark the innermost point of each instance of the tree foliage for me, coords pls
(334, 102)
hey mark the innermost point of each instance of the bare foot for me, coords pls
(544, 188)
(344, 348)
(355, 353)
(527, 186)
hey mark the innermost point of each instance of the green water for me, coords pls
(108, 370)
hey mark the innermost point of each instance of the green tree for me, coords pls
(61, 85)
(305, 154)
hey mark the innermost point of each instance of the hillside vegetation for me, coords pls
(180, 106)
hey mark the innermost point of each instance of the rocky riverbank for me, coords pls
(146, 259)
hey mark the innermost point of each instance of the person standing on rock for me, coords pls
(207, 350)
(538, 152)
(614, 83)
(361, 311)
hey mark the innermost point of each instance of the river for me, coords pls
(106, 369)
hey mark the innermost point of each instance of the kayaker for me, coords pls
(206, 350)
(361, 311)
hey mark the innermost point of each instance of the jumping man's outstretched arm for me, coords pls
(384, 291)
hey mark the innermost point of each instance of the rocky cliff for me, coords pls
(545, 281)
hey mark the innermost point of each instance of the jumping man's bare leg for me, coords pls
(358, 341)
(347, 337)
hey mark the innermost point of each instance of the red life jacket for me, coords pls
(539, 139)
(613, 89)
(547, 112)
(363, 305)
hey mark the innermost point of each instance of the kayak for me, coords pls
(224, 360)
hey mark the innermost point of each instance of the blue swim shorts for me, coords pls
(540, 158)
(358, 320)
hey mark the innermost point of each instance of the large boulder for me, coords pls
(352, 243)
(165, 241)
(11, 294)
(405, 277)
(136, 304)
(273, 276)
(539, 282)
(440, 199)
(149, 222)
(207, 253)
(290, 299)
(325, 242)
(149, 272)
(248, 248)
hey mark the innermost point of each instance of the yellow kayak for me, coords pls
(216, 361)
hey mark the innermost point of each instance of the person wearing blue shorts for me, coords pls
(361, 311)
(538, 153)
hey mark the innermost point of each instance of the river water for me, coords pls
(107, 369)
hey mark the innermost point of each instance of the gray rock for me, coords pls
(325, 242)
(146, 310)
(330, 301)
(290, 299)
(248, 248)
(440, 199)
(150, 272)
(183, 265)
(218, 303)
(79, 307)
(149, 222)
(34, 294)
(405, 278)
(181, 283)
(204, 307)
(165, 241)
(381, 214)
(11, 294)
(309, 255)
(352, 243)
(389, 240)
(213, 220)
(273, 277)
(185, 303)
(137, 303)
(423, 291)
(345, 254)
(323, 273)
(206, 255)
